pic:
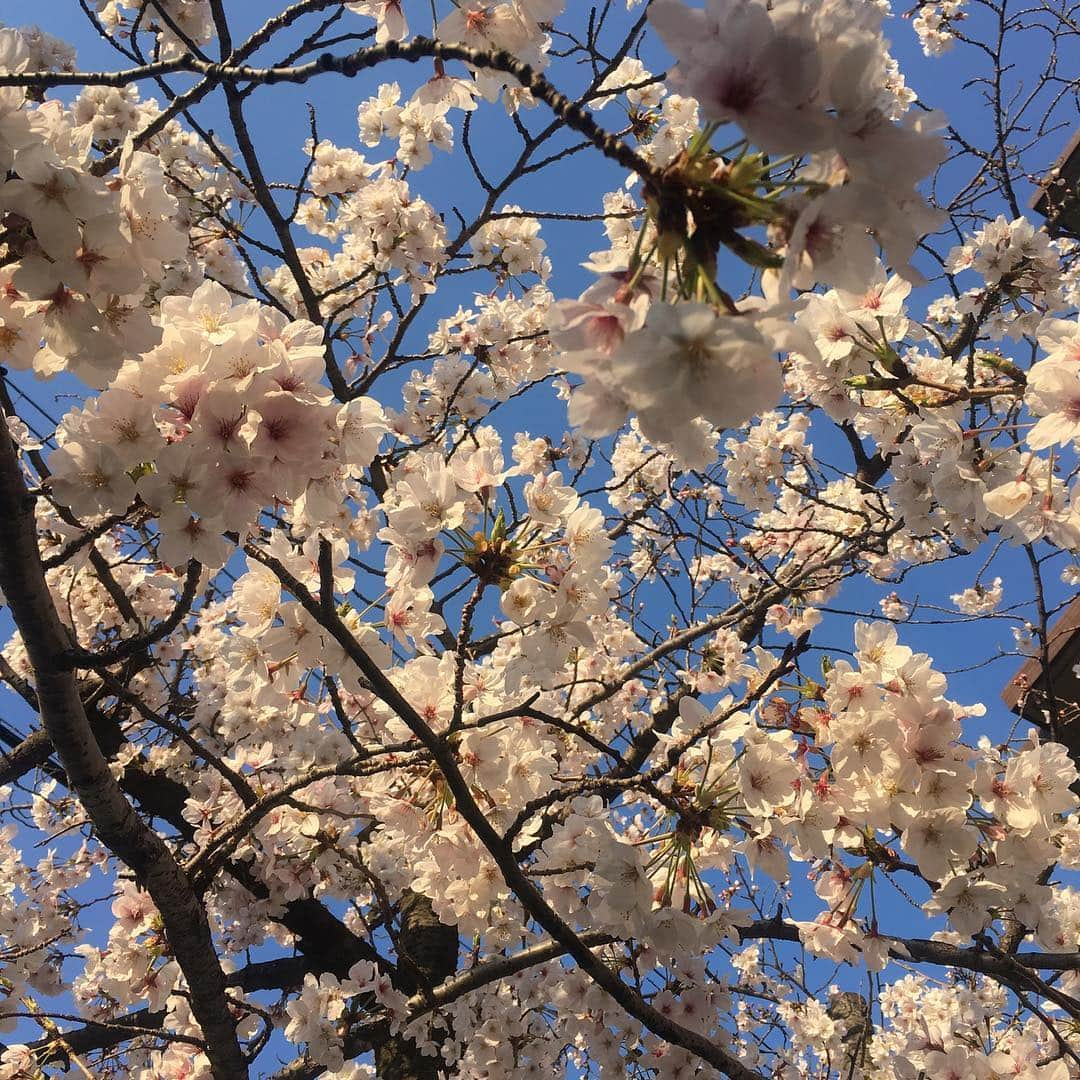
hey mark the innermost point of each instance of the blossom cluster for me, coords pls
(654, 336)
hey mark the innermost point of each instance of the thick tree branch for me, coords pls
(531, 897)
(120, 828)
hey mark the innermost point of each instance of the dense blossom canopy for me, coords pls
(418, 666)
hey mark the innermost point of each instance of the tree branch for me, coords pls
(64, 719)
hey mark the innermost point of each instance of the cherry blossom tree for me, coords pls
(468, 577)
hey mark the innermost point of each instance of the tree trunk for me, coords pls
(428, 955)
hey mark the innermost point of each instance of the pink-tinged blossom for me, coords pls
(389, 16)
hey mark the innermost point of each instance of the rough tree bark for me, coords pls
(48, 646)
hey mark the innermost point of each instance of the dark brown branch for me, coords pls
(351, 64)
(531, 897)
(22, 579)
(83, 658)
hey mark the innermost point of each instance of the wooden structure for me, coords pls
(1057, 198)
(1036, 695)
